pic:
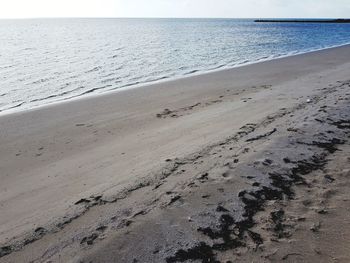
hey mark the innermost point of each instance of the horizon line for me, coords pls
(160, 17)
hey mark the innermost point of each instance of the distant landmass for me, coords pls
(303, 21)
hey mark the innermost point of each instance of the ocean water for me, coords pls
(48, 60)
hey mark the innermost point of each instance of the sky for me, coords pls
(176, 8)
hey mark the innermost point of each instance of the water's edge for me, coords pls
(195, 72)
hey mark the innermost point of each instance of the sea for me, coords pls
(44, 61)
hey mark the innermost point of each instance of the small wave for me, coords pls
(42, 80)
(94, 69)
(130, 84)
(191, 72)
(94, 89)
(160, 78)
(155, 79)
(219, 66)
(49, 97)
(15, 106)
(108, 75)
(29, 48)
(109, 80)
(7, 66)
(57, 95)
(244, 62)
(69, 92)
(72, 77)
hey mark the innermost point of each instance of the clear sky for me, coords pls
(175, 8)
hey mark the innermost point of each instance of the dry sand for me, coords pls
(242, 165)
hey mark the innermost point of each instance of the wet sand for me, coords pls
(237, 165)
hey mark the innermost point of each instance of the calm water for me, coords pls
(43, 61)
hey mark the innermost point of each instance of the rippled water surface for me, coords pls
(48, 60)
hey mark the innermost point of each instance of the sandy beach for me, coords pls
(249, 164)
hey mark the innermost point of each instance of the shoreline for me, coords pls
(82, 179)
(162, 80)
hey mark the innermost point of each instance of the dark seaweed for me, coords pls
(5, 250)
(89, 240)
(230, 234)
(329, 145)
(342, 124)
(261, 136)
(82, 201)
(200, 252)
(277, 218)
(174, 199)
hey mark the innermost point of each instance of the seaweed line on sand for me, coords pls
(231, 234)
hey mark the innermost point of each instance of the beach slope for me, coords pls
(242, 164)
